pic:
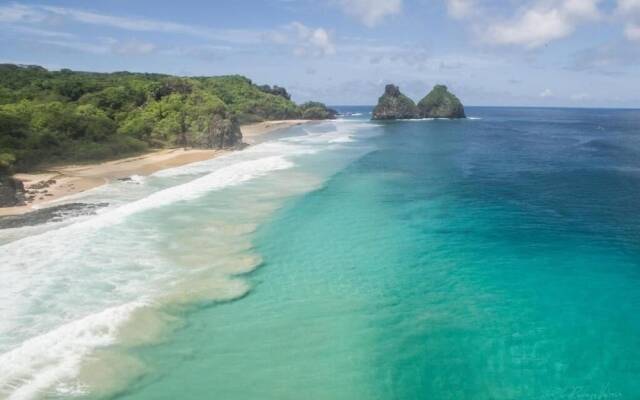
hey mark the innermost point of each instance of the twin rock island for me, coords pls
(439, 103)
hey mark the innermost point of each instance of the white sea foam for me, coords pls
(345, 132)
(418, 119)
(474, 118)
(67, 292)
(267, 149)
(343, 139)
(232, 175)
(48, 267)
(53, 358)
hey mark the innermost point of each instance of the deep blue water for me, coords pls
(490, 258)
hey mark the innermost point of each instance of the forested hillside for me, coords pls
(55, 116)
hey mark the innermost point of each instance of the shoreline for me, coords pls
(251, 131)
(45, 187)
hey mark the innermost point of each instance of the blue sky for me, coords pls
(579, 53)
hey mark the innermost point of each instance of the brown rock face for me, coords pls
(11, 192)
(223, 133)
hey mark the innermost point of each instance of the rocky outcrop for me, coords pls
(223, 133)
(11, 192)
(316, 110)
(394, 105)
(440, 103)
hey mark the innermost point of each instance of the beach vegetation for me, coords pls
(69, 116)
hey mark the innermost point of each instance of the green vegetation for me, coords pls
(440, 103)
(56, 116)
(315, 110)
(393, 105)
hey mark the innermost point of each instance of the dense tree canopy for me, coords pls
(52, 116)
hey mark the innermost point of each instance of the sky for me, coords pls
(572, 53)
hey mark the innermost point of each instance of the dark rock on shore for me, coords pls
(440, 103)
(50, 214)
(11, 192)
(394, 105)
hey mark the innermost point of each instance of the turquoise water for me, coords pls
(490, 258)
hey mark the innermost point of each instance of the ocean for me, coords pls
(496, 257)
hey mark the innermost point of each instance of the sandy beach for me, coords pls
(252, 131)
(51, 184)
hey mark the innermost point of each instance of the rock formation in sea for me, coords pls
(394, 105)
(316, 110)
(440, 103)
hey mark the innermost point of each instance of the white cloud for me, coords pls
(370, 12)
(306, 41)
(632, 31)
(460, 9)
(77, 46)
(38, 14)
(587, 9)
(102, 46)
(26, 30)
(31, 19)
(321, 40)
(546, 93)
(534, 28)
(20, 13)
(543, 22)
(629, 6)
(630, 11)
(580, 97)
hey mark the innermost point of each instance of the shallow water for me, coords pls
(490, 258)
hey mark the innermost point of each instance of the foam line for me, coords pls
(41, 362)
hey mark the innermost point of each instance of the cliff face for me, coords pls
(394, 105)
(440, 103)
(223, 133)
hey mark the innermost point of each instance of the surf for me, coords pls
(73, 292)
